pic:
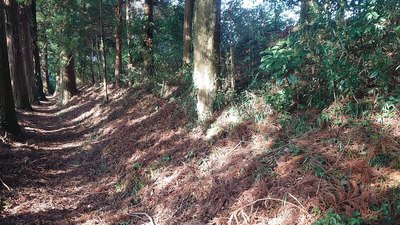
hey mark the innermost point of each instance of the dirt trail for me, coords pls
(46, 172)
(95, 163)
(74, 163)
(138, 156)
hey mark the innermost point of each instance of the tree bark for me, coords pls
(98, 57)
(8, 116)
(20, 88)
(128, 34)
(91, 63)
(27, 52)
(45, 69)
(38, 75)
(206, 55)
(68, 78)
(232, 76)
(187, 32)
(103, 48)
(148, 39)
(83, 70)
(118, 44)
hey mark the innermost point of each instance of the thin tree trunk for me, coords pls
(103, 48)
(83, 70)
(38, 75)
(233, 65)
(118, 44)
(20, 88)
(8, 116)
(128, 34)
(148, 39)
(27, 52)
(45, 69)
(98, 57)
(91, 63)
(206, 55)
(187, 32)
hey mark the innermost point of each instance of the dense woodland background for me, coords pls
(316, 81)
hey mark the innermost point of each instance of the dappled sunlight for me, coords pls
(108, 162)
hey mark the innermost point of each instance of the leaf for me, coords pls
(279, 81)
(397, 29)
(292, 79)
(373, 74)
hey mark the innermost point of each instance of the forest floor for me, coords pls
(138, 160)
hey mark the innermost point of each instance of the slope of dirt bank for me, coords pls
(136, 160)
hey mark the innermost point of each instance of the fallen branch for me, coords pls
(5, 185)
(144, 214)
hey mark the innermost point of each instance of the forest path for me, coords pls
(50, 174)
(91, 162)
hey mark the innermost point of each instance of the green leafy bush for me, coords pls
(282, 61)
(332, 218)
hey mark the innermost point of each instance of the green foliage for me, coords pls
(168, 42)
(138, 184)
(125, 222)
(389, 211)
(166, 158)
(282, 61)
(263, 172)
(294, 151)
(357, 109)
(380, 160)
(323, 119)
(332, 218)
(136, 166)
(280, 100)
(248, 30)
(333, 61)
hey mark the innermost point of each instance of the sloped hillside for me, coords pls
(138, 159)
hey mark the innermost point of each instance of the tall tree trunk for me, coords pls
(45, 69)
(27, 52)
(118, 44)
(232, 76)
(206, 55)
(20, 88)
(148, 39)
(83, 70)
(68, 78)
(8, 116)
(98, 57)
(128, 34)
(91, 63)
(103, 48)
(187, 32)
(38, 75)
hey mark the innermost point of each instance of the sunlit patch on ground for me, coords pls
(134, 159)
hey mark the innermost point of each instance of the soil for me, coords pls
(138, 159)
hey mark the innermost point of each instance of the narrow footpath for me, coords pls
(49, 178)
